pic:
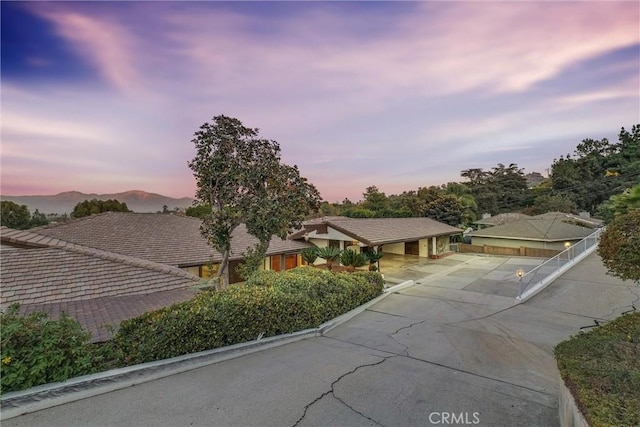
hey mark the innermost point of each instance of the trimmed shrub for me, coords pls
(269, 304)
(37, 350)
(602, 369)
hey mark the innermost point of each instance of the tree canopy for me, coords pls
(619, 246)
(243, 179)
(18, 216)
(598, 169)
(95, 206)
(14, 215)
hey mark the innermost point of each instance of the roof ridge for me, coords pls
(35, 240)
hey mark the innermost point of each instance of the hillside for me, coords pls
(136, 200)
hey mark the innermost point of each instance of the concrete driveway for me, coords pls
(451, 350)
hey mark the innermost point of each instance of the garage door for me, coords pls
(412, 248)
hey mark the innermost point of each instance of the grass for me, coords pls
(602, 369)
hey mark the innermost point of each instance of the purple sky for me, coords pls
(105, 97)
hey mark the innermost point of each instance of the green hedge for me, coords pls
(37, 350)
(270, 304)
(602, 369)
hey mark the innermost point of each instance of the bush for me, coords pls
(601, 369)
(270, 304)
(37, 350)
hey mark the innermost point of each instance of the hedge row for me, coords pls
(270, 304)
(602, 370)
(37, 350)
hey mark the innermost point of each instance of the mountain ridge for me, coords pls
(64, 202)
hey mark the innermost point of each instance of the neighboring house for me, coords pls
(173, 240)
(534, 232)
(93, 286)
(503, 218)
(405, 236)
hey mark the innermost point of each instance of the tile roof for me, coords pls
(40, 272)
(502, 218)
(166, 239)
(588, 221)
(547, 230)
(97, 314)
(378, 231)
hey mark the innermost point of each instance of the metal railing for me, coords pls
(540, 276)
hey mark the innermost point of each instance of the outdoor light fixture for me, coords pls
(567, 245)
(520, 273)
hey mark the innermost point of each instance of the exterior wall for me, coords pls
(394, 248)
(425, 248)
(511, 243)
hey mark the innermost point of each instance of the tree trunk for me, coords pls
(220, 278)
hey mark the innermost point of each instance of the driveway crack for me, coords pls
(404, 350)
(331, 391)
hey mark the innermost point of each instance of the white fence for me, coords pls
(536, 279)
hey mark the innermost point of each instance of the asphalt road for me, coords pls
(451, 350)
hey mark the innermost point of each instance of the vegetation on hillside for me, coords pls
(18, 217)
(601, 369)
(95, 206)
(619, 246)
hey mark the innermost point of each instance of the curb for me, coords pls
(14, 404)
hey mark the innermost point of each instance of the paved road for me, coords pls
(451, 348)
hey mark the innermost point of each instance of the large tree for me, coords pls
(503, 189)
(598, 169)
(14, 215)
(243, 179)
(95, 206)
(619, 246)
(446, 208)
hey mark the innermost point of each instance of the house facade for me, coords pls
(421, 237)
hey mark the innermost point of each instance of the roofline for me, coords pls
(530, 238)
(56, 243)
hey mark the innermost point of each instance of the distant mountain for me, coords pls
(137, 201)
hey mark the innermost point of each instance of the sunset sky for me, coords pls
(103, 97)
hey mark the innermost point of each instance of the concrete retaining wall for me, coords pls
(570, 415)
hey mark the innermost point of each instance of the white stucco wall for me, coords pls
(394, 248)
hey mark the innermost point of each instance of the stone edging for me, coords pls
(18, 403)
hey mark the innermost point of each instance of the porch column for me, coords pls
(434, 251)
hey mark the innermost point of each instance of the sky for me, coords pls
(105, 97)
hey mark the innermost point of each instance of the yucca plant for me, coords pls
(329, 254)
(309, 255)
(352, 259)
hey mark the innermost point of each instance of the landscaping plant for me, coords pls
(37, 350)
